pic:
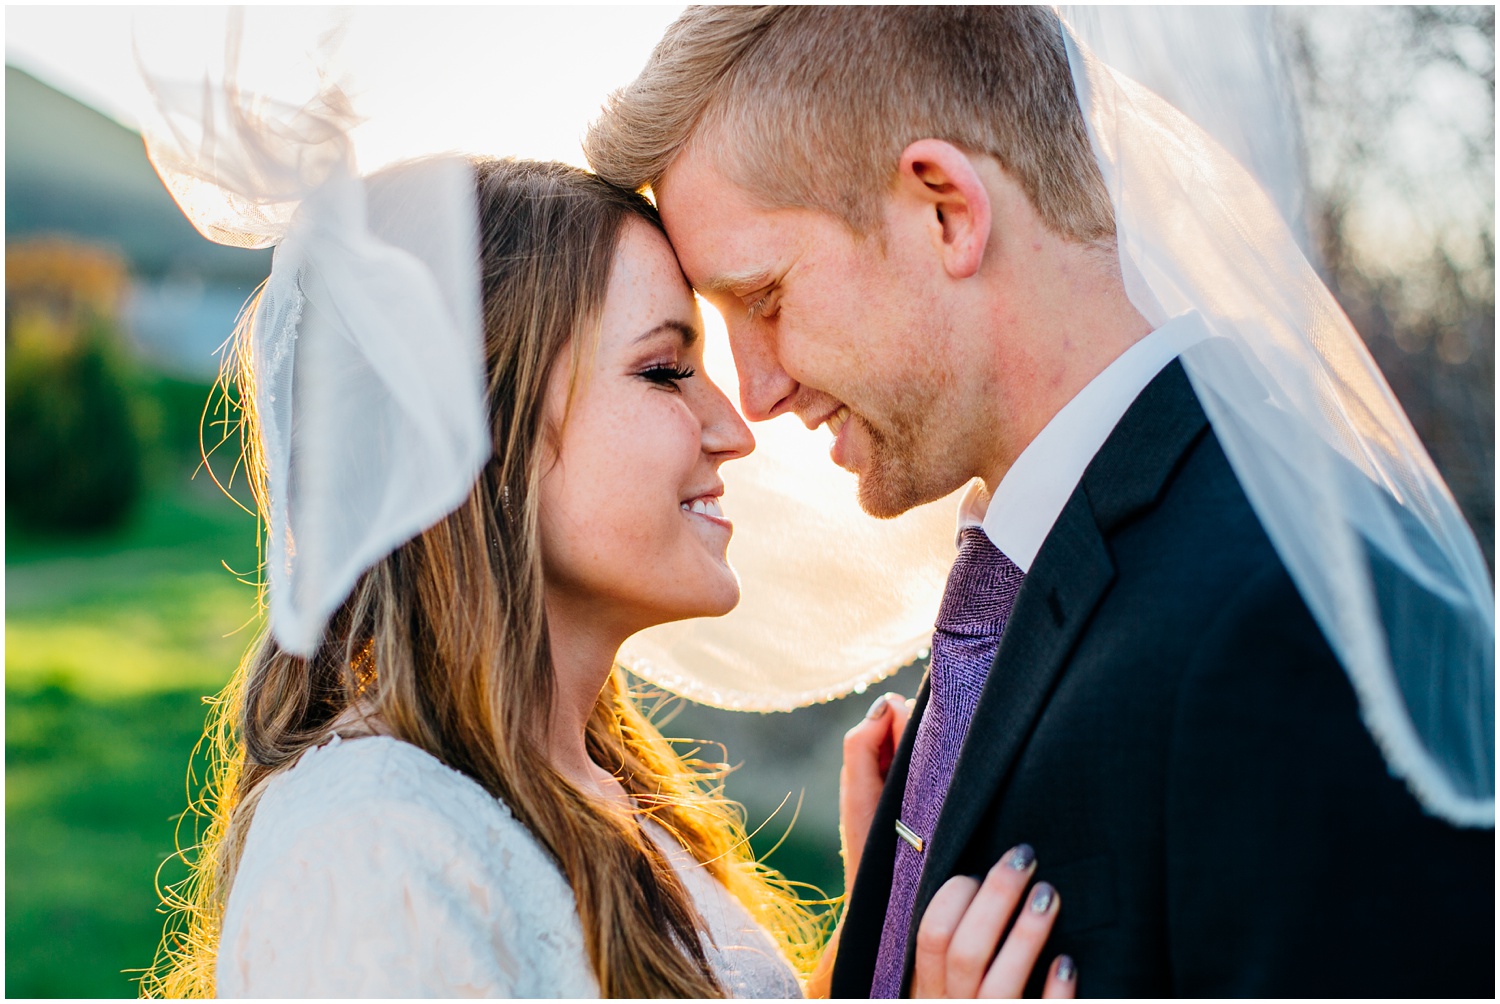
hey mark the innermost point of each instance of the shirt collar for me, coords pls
(1019, 516)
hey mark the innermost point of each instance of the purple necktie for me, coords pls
(977, 601)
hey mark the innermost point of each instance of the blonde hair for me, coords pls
(811, 106)
(445, 643)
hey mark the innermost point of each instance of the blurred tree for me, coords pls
(72, 446)
(1398, 107)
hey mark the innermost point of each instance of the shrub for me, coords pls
(72, 448)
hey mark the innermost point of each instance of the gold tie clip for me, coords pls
(910, 836)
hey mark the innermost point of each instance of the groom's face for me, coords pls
(841, 330)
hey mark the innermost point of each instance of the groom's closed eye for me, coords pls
(762, 302)
(755, 289)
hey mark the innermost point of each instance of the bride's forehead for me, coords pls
(645, 275)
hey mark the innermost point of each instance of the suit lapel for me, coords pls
(1072, 572)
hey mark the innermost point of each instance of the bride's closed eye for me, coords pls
(669, 375)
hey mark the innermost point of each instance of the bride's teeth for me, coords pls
(704, 507)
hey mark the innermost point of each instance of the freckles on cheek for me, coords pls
(643, 454)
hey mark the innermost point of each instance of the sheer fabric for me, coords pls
(366, 347)
(1357, 512)
(368, 355)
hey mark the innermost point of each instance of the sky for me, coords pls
(504, 80)
(520, 81)
(527, 80)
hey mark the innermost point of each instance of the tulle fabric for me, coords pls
(832, 600)
(368, 351)
(366, 346)
(1351, 501)
(370, 381)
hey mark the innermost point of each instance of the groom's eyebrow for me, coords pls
(688, 333)
(736, 282)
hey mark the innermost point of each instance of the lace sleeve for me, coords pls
(369, 872)
(372, 870)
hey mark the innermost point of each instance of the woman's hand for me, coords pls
(869, 748)
(958, 935)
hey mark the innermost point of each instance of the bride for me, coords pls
(440, 786)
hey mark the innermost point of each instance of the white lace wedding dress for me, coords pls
(371, 869)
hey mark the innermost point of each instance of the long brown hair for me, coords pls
(445, 643)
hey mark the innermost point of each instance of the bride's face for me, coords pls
(631, 524)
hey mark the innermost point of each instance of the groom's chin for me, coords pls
(885, 493)
(896, 483)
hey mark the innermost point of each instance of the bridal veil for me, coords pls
(367, 345)
(1356, 510)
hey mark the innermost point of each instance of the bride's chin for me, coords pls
(727, 606)
(704, 608)
(715, 597)
(721, 600)
(696, 588)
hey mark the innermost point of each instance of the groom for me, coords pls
(899, 215)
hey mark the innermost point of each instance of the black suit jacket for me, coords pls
(1169, 729)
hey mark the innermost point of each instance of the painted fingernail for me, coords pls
(1066, 971)
(1022, 857)
(1042, 898)
(879, 708)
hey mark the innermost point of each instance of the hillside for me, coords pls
(70, 169)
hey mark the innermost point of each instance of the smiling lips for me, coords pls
(705, 505)
(708, 505)
(838, 452)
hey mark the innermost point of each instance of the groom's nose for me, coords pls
(766, 390)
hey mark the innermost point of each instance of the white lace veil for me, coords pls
(831, 599)
(367, 349)
(366, 343)
(1346, 492)
(1356, 510)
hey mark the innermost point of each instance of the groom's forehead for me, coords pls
(725, 239)
(700, 183)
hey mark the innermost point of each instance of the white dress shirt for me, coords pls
(1033, 492)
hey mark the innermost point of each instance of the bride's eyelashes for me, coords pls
(668, 375)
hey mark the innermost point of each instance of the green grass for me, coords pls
(91, 789)
(111, 644)
(151, 607)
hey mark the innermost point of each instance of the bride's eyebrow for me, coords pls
(688, 333)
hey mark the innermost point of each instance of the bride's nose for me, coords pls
(725, 434)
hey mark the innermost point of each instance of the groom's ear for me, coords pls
(937, 179)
